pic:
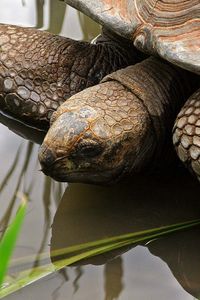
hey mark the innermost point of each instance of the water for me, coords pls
(60, 215)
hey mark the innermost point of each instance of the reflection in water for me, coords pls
(113, 274)
(24, 130)
(79, 272)
(7, 215)
(47, 215)
(20, 177)
(89, 213)
(10, 170)
(55, 294)
(182, 254)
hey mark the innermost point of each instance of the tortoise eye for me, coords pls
(90, 151)
(88, 148)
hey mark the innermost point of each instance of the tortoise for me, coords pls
(124, 123)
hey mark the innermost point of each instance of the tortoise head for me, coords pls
(90, 140)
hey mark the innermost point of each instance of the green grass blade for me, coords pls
(29, 276)
(101, 242)
(9, 238)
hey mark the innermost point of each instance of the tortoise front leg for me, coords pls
(39, 70)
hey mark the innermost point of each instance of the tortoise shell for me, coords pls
(167, 28)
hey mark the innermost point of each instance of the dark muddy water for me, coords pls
(60, 215)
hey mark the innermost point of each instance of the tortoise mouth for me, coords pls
(65, 170)
(82, 177)
(90, 176)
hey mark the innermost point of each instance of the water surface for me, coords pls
(60, 215)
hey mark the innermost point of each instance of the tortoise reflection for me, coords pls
(30, 133)
(87, 213)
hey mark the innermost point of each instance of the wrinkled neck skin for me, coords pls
(110, 37)
(39, 70)
(122, 125)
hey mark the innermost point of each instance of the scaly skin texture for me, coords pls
(119, 126)
(186, 134)
(39, 70)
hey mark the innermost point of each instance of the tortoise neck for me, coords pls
(109, 36)
(124, 45)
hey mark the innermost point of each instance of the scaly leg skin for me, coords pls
(186, 134)
(120, 126)
(39, 70)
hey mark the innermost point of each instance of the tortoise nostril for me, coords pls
(46, 157)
